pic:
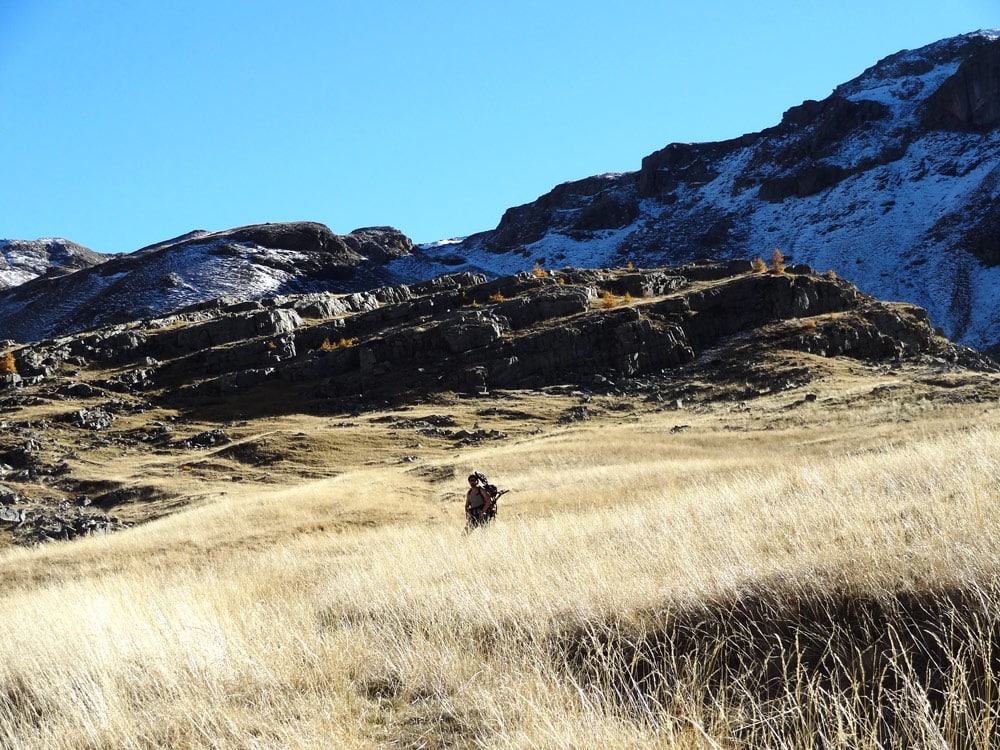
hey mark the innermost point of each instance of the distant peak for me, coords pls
(991, 34)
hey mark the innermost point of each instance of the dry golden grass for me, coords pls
(349, 610)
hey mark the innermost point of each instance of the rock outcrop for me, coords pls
(464, 332)
(970, 99)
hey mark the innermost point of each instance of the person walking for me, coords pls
(477, 504)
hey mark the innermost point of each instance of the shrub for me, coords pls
(831, 274)
(777, 261)
(7, 364)
(627, 298)
(330, 346)
(758, 265)
(538, 272)
(629, 266)
(497, 297)
(608, 300)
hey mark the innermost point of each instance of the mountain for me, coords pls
(24, 260)
(892, 181)
(244, 263)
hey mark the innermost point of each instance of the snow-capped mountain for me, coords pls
(892, 182)
(244, 264)
(24, 260)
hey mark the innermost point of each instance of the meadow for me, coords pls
(771, 574)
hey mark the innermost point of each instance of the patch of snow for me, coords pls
(438, 244)
(899, 93)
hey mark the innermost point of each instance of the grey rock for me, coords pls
(12, 515)
(92, 419)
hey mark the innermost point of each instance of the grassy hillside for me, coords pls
(775, 573)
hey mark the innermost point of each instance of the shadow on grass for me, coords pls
(900, 670)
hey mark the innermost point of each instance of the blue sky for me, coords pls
(125, 123)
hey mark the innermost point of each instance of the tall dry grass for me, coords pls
(727, 590)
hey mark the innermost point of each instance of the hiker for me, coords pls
(477, 504)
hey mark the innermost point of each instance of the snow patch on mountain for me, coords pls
(17, 267)
(23, 260)
(175, 274)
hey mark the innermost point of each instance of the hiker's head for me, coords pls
(473, 479)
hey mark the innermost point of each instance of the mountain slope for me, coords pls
(24, 260)
(244, 263)
(892, 181)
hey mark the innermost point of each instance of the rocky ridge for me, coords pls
(245, 263)
(465, 332)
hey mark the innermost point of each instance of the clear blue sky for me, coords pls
(127, 122)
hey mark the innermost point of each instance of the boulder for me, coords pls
(12, 515)
(92, 419)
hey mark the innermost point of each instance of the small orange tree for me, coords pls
(331, 346)
(758, 265)
(777, 261)
(7, 363)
